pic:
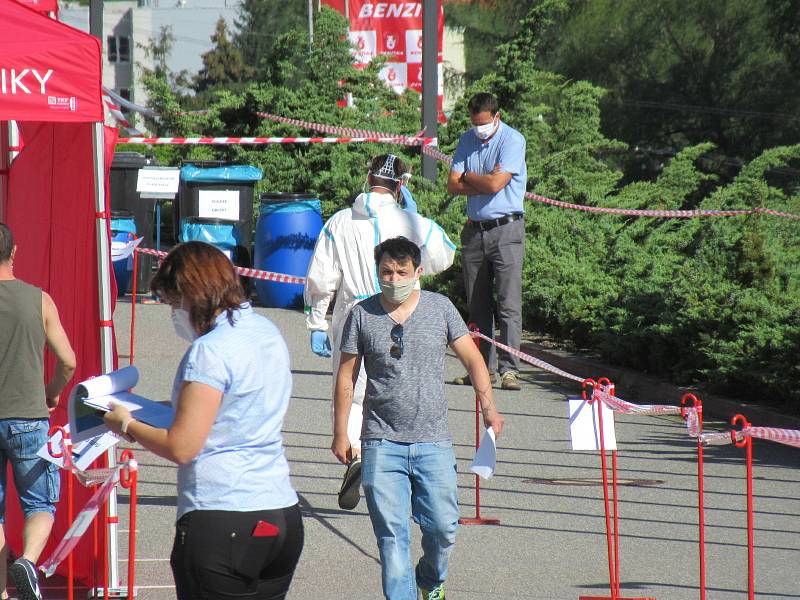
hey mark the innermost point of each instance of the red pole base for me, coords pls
(609, 598)
(478, 521)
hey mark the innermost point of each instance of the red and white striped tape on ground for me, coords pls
(243, 271)
(82, 522)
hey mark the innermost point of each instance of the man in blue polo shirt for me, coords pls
(489, 168)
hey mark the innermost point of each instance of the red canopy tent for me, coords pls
(52, 196)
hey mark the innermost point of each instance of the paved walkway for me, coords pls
(550, 543)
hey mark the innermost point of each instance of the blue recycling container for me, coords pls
(223, 234)
(123, 230)
(286, 233)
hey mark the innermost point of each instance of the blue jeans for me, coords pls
(37, 480)
(422, 476)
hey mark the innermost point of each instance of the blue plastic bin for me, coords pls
(286, 233)
(123, 230)
(217, 232)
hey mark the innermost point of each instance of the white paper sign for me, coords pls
(486, 457)
(584, 425)
(218, 204)
(158, 181)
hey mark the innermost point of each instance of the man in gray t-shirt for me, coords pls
(401, 335)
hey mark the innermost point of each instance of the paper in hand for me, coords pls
(485, 458)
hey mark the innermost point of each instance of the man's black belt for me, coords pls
(492, 223)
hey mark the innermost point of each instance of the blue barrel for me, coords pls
(123, 230)
(286, 233)
(217, 232)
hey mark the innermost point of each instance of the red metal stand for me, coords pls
(66, 444)
(128, 479)
(133, 301)
(747, 443)
(477, 519)
(700, 487)
(612, 520)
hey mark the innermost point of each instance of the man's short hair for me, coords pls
(6, 242)
(399, 249)
(482, 102)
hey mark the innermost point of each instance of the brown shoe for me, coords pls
(465, 380)
(509, 381)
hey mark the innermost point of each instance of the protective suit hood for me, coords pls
(368, 204)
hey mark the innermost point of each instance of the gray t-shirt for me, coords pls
(405, 396)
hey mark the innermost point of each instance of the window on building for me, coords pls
(112, 49)
(124, 45)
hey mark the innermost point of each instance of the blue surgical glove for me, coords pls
(320, 344)
(408, 199)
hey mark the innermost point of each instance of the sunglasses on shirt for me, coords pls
(396, 351)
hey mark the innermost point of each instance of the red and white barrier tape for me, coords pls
(221, 141)
(80, 524)
(115, 112)
(601, 392)
(789, 437)
(243, 271)
(528, 358)
(433, 151)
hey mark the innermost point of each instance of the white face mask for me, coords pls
(182, 323)
(484, 132)
(397, 292)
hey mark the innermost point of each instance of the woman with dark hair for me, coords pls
(239, 533)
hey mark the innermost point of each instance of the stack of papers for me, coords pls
(90, 399)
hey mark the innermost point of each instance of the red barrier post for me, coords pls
(698, 406)
(611, 389)
(133, 301)
(128, 478)
(477, 519)
(66, 444)
(612, 567)
(747, 443)
(612, 532)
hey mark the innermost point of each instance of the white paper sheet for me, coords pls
(486, 457)
(584, 425)
(83, 453)
(122, 250)
(89, 399)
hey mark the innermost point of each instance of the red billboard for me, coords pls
(392, 29)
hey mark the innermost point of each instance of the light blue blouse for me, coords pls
(242, 466)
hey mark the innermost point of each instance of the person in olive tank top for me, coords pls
(28, 321)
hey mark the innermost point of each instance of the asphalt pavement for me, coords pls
(550, 542)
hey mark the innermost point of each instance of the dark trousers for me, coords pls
(216, 557)
(492, 262)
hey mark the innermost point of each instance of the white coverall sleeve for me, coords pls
(437, 249)
(322, 280)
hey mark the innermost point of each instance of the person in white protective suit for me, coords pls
(343, 265)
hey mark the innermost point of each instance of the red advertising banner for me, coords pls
(394, 29)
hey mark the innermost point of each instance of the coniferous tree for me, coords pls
(223, 65)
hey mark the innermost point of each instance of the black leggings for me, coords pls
(216, 557)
